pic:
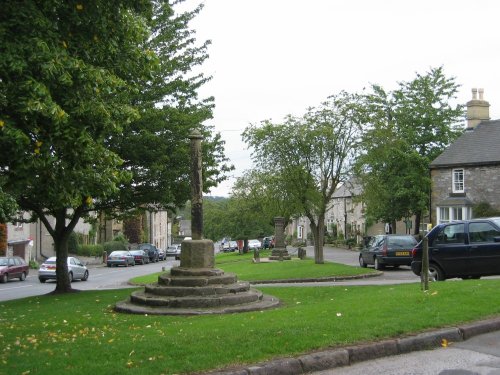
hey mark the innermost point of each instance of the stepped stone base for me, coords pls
(280, 254)
(196, 291)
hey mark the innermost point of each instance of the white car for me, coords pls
(173, 250)
(254, 244)
(76, 270)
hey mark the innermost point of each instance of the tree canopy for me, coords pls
(96, 102)
(309, 156)
(405, 130)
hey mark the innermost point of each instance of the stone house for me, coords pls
(468, 171)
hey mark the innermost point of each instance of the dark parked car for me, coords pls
(76, 270)
(466, 249)
(151, 250)
(388, 250)
(140, 256)
(13, 268)
(120, 258)
(268, 242)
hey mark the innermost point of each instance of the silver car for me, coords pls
(76, 270)
(173, 250)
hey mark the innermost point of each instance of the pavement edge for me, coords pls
(329, 359)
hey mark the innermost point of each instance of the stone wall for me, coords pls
(481, 184)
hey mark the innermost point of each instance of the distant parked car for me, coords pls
(161, 254)
(151, 250)
(467, 249)
(268, 242)
(76, 270)
(388, 250)
(140, 256)
(233, 245)
(120, 258)
(254, 244)
(13, 268)
(174, 250)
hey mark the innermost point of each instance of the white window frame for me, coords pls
(300, 232)
(458, 180)
(447, 214)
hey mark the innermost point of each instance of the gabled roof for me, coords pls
(480, 146)
(348, 189)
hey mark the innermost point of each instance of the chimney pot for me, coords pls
(481, 92)
(474, 94)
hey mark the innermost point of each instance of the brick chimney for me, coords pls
(477, 109)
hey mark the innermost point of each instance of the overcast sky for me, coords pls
(270, 58)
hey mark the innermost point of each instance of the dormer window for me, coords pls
(458, 181)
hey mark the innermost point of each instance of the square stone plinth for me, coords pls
(197, 254)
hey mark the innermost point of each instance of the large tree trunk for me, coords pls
(318, 231)
(62, 277)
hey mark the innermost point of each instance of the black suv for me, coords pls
(152, 251)
(467, 249)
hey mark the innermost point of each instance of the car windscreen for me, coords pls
(3, 261)
(403, 242)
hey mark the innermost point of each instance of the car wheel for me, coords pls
(70, 276)
(42, 280)
(4, 278)
(85, 276)
(23, 276)
(435, 273)
(362, 262)
(378, 265)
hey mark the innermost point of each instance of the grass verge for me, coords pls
(80, 334)
(243, 266)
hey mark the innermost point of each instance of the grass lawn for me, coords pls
(80, 334)
(243, 266)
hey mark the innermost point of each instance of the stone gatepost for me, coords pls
(279, 252)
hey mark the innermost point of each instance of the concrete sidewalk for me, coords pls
(339, 357)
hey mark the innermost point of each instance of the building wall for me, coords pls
(481, 183)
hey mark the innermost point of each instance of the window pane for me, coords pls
(458, 180)
(482, 232)
(451, 234)
(444, 214)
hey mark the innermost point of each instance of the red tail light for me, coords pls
(384, 248)
(414, 252)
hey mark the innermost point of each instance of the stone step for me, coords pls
(193, 281)
(267, 302)
(148, 299)
(182, 271)
(210, 290)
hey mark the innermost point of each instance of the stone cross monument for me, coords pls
(279, 252)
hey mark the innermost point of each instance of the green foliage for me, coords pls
(33, 264)
(111, 246)
(8, 206)
(91, 250)
(96, 104)
(484, 209)
(309, 156)
(407, 129)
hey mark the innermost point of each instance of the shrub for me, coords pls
(33, 264)
(90, 250)
(111, 246)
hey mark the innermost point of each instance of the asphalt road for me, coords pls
(101, 277)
